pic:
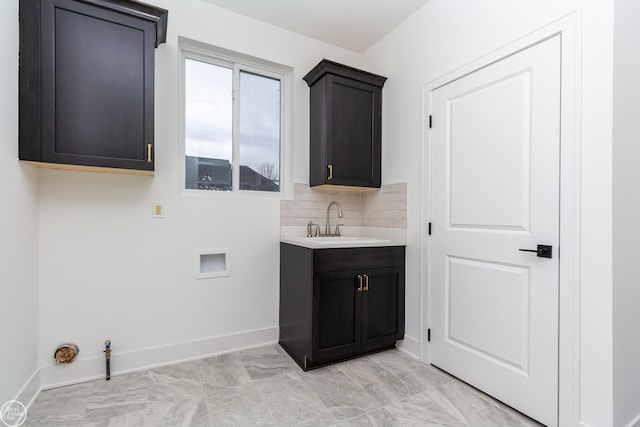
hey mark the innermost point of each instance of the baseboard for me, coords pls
(30, 390)
(635, 422)
(140, 360)
(410, 345)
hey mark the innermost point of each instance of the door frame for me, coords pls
(570, 215)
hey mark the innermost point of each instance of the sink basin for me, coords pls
(347, 240)
(334, 242)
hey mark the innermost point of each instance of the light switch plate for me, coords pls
(158, 210)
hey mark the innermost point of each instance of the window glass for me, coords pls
(208, 108)
(259, 132)
(236, 122)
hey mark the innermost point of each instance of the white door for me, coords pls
(495, 142)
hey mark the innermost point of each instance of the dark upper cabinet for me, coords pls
(87, 82)
(340, 303)
(345, 126)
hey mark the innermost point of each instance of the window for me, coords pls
(235, 112)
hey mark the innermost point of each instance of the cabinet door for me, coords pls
(97, 86)
(383, 307)
(353, 139)
(337, 314)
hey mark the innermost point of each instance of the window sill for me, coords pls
(247, 195)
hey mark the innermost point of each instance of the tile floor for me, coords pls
(264, 387)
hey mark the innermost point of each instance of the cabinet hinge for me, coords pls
(429, 335)
(429, 229)
(430, 121)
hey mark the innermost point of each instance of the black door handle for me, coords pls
(543, 251)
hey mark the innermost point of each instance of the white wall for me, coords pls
(626, 212)
(446, 35)
(18, 230)
(110, 271)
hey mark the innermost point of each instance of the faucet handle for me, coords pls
(310, 231)
(338, 229)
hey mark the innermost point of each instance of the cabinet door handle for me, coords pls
(149, 154)
(330, 177)
(366, 282)
(360, 282)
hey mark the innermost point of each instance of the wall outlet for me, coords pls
(158, 210)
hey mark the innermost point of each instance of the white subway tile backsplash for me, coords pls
(386, 207)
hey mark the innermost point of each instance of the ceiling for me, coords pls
(351, 24)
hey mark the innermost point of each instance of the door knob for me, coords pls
(543, 251)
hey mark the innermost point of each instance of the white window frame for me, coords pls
(199, 51)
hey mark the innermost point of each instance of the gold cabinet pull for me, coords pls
(366, 282)
(330, 177)
(149, 154)
(360, 282)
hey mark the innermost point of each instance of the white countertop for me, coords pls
(340, 242)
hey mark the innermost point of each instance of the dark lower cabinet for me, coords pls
(87, 82)
(336, 304)
(337, 316)
(382, 306)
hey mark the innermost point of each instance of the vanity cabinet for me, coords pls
(345, 126)
(340, 303)
(86, 90)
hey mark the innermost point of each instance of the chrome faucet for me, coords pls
(328, 224)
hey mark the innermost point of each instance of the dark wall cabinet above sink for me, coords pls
(345, 126)
(87, 83)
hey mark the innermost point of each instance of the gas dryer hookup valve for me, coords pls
(107, 355)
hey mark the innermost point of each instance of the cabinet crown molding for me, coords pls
(329, 67)
(141, 10)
